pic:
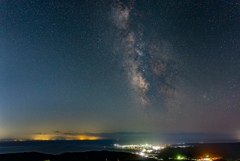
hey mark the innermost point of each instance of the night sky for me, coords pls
(103, 69)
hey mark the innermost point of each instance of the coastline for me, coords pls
(73, 156)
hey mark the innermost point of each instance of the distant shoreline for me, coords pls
(80, 156)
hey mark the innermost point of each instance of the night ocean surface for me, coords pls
(56, 147)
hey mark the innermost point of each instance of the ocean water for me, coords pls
(56, 147)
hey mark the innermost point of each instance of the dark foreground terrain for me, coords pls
(78, 156)
(227, 151)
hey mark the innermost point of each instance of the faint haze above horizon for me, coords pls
(131, 137)
(151, 70)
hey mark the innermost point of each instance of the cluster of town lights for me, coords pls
(146, 150)
(144, 146)
(151, 151)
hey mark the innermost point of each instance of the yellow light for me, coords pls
(85, 137)
(64, 137)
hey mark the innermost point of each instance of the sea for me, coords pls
(57, 146)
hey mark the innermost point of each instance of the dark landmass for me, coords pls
(77, 156)
(227, 151)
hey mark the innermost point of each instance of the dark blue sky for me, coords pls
(93, 67)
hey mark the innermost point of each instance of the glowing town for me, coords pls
(153, 151)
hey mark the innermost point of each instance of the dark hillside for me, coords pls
(81, 156)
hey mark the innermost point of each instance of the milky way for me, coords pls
(150, 65)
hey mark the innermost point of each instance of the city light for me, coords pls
(152, 151)
(145, 150)
(65, 137)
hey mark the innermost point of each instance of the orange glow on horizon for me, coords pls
(208, 158)
(42, 137)
(85, 137)
(64, 137)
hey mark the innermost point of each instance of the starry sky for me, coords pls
(103, 69)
